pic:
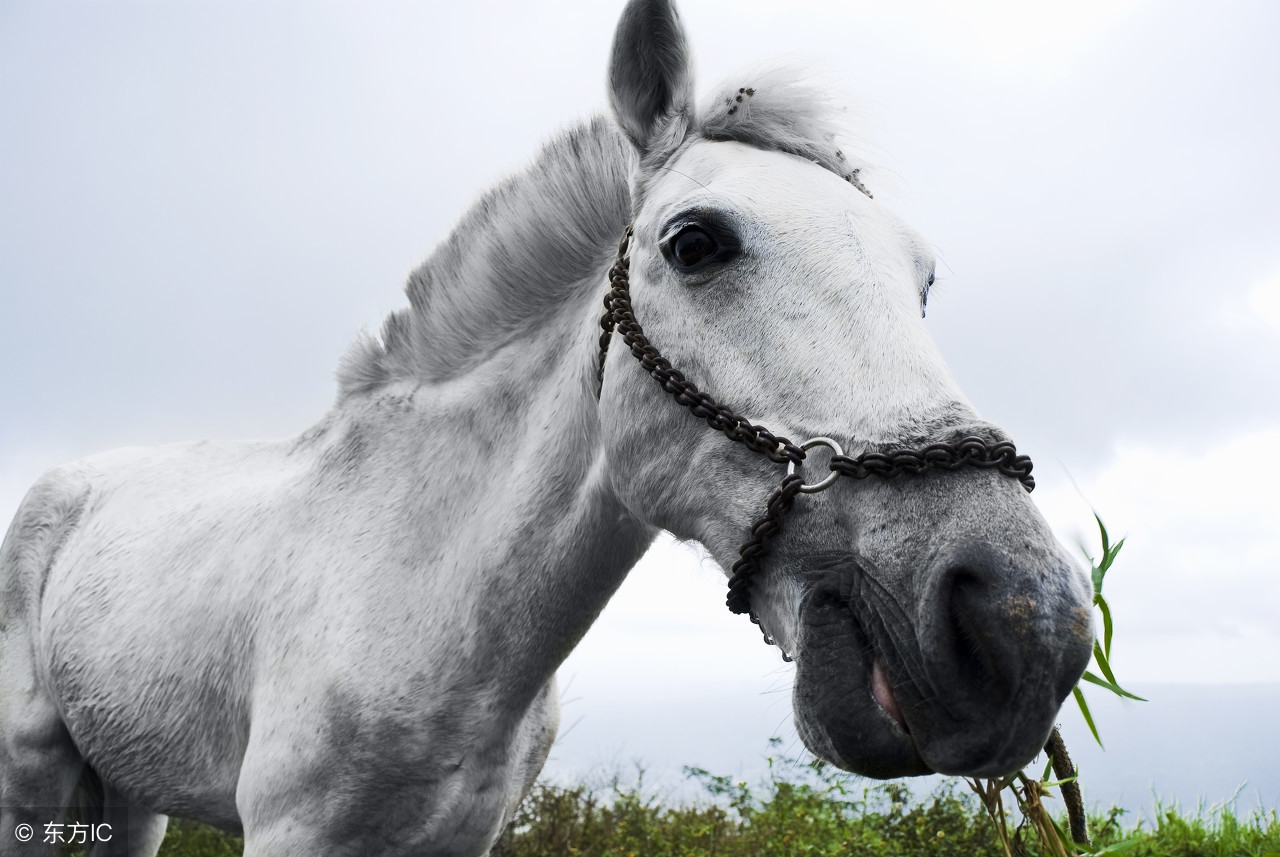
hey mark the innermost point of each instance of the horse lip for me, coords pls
(842, 683)
(879, 686)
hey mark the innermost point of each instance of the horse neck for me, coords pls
(495, 484)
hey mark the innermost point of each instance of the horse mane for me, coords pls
(541, 236)
(520, 250)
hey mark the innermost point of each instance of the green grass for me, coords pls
(814, 810)
(802, 810)
(191, 839)
(810, 814)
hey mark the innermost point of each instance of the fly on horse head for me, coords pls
(346, 642)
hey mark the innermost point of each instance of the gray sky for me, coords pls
(201, 203)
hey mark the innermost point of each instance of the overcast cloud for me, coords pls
(201, 203)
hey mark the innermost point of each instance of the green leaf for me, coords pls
(1109, 556)
(1102, 565)
(1084, 709)
(1107, 626)
(1102, 528)
(1101, 658)
(1048, 766)
(1114, 688)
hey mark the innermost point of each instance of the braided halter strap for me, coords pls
(969, 452)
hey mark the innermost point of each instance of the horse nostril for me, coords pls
(994, 656)
(971, 620)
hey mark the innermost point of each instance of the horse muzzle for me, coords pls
(959, 670)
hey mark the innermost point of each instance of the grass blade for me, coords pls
(1088, 716)
(1093, 678)
(1068, 845)
(1101, 658)
(1107, 625)
(1102, 528)
(1109, 556)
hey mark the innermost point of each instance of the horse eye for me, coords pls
(691, 246)
(924, 294)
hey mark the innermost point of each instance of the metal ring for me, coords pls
(830, 480)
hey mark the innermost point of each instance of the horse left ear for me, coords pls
(650, 74)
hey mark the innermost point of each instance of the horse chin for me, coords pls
(845, 708)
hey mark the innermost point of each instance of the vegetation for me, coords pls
(804, 810)
(814, 811)
(191, 839)
(1029, 794)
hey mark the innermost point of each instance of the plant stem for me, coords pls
(1029, 800)
(988, 791)
(1064, 769)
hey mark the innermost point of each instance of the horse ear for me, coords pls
(650, 75)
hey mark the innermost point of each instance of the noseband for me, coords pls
(968, 452)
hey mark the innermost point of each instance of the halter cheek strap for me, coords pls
(619, 316)
(968, 452)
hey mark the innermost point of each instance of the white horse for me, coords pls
(346, 642)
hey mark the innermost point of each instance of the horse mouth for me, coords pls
(847, 708)
(944, 692)
(882, 692)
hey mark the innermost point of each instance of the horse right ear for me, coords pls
(650, 75)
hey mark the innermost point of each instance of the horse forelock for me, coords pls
(783, 109)
(545, 235)
(775, 108)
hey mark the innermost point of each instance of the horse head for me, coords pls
(936, 623)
